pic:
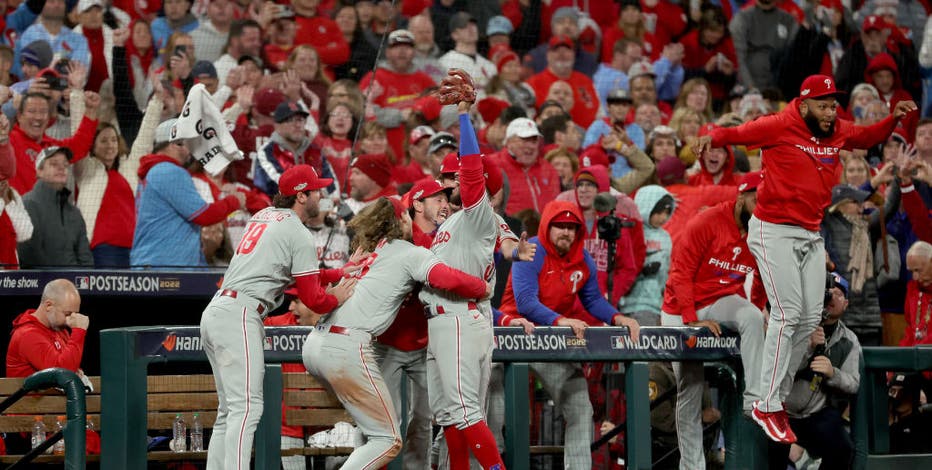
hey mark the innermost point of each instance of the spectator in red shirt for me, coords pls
(321, 32)
(709, 53)
(28, 136)
(282, 32)
(565, 23)
(337, 126)
(560, 60)
(419, 163)
(397, 84)
(534, 181)
(99, 38)
(15, 224)
(51, 335)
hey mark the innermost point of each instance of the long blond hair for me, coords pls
(375, 222)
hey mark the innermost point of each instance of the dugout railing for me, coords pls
(127, 352)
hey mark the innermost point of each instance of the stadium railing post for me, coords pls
(517, 417)
(123, 421)
(638, 442)
(268, 435)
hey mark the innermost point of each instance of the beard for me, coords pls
(311, 211)
(813, 124)
(455, 199)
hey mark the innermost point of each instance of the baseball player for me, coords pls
(459, 349)
(275, 249)
(339, 351)
(402, 349)
(799, 147)
(707, 288)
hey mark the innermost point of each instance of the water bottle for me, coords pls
(59, 447)
(197, 434)
(38, 432)
(179, 435)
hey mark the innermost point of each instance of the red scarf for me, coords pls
(145, 60)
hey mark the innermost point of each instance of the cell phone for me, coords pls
(180, 50)
(55, 83)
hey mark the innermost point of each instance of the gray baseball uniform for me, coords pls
(459, 348)
(275, 248)
(340, 353)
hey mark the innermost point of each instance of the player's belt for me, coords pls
(432, 311)
(233, 294)
(339, 330)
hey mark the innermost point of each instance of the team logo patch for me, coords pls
(300, 187)
(418, 194)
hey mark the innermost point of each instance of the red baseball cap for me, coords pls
(818, 86)
(420, 132)
(292, 290)
(376, 166)
(301, 178)
(451, 164)
(558, 41)
(422, 189)
(874, 23)
(836, 4)
(397, 206)
(566, 217)
(267, 99)
(428, 106)
(750, 181)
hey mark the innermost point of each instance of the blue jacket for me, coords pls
(646, 295)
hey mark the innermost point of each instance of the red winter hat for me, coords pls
(558, 41)
(301, 178)
(595, 156)
(267, 99)
(751, 181)
(428, 106)
(491, 108)
(375, 166)
(7, 166)
(670, 170)
(451, 164)
(503, 58)
(836, 4)
(818, 86)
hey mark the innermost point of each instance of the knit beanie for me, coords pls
(375, 166)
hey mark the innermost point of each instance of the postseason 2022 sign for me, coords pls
(283, 344)
(120, 283)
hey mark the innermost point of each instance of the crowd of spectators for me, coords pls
(575, 98)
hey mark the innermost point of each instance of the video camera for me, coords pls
(609, 225)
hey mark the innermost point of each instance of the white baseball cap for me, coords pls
(522, 127)
(163, 133)
(84, 5)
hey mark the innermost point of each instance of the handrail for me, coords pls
(75, 412)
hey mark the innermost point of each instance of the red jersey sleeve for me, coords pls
(752, 134)
(685, 259)
(865, 137)
(452, 280)
(917, 213)
(313, 295)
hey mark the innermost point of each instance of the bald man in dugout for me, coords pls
(51, 335)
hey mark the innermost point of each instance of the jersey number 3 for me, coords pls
(251, 238)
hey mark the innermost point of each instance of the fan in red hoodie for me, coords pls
(883, 73)
(51, 335)
(717, 165)
(799, 148)
(707, 288)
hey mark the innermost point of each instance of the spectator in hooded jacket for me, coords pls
(59, 237)
(644, 300)
(874, 40)
(534, 181)
(169, 211)
(883, 73)
(543, 291)
(288, 146)
(51, 335)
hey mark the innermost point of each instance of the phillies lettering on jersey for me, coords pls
(731, 265)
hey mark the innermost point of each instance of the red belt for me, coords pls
(438, 310)
(338, 330)
(232, 294)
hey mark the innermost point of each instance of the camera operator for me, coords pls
(706, 288)
(619, 220)
(825, 382)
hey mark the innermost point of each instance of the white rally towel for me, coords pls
(205, 133)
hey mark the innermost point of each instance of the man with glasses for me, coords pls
(288, 146)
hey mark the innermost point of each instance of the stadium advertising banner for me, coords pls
(115, 283)
(283, 344)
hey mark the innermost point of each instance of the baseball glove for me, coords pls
(457, 86)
